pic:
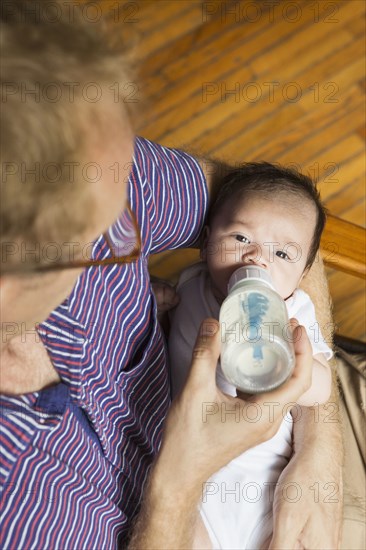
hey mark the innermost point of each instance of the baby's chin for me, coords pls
(285, 293)
(287, 296)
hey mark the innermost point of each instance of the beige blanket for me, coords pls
(352, 380)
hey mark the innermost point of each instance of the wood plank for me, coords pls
(159, 38)
(343, 246)
(362, 130)
(318, 67)
(340, 189)
(203, 47)
(223, 74)
(302, 129)
(348, 295)
(157, 15)
(258, 29)
(348, 197)
(187, 46)
(342, 156)
(357, 25)
(224, 143)
(362, 84)
(192, 88)
(197, 110)
(334, 90)
(145, 15)
(328, 160)
(338, 166)
(353, 284)
(254, 47)
(317, 149)
(304, 42)
(356, 213)
(189, 125)
(239, 49)
(221, 143)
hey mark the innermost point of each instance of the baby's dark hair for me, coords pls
(266, 178)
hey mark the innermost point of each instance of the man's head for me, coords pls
(268, 215)
(66, 141)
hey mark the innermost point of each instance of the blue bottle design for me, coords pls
(255, 308)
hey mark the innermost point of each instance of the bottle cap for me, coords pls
(247, 272)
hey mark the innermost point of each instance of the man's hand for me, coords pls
(165, 295)
(211, 419)
(307, 510)
(204, 430)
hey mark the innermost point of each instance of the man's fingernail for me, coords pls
(209, 328)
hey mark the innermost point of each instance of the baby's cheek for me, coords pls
(282, 286)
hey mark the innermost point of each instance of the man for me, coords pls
(84, 376)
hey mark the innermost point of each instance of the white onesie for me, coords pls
(236, 505)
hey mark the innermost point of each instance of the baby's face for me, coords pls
(275, 234)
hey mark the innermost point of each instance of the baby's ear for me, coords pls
(304, 273)
(204, 240)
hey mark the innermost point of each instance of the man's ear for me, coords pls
(204, 240)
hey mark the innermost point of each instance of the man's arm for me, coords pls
(214, 171)
(315, 469)
(321, 384)
(311, 518)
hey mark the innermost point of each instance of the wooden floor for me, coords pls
(253, 80)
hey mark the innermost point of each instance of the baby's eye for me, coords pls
(242, 239)
(282, 254)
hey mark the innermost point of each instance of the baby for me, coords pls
(272, 217)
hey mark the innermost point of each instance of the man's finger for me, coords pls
(206, 352)
(303, 357)
(165, 295)
(300, 380)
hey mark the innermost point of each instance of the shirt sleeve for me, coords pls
(169, 195)
(300, 306)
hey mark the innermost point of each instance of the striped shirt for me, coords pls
(75, 457)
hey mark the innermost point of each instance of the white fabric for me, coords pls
(237, 505)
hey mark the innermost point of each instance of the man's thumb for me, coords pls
(206, 350)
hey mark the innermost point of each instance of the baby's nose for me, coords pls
(253, 254)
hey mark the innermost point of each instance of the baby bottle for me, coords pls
(256, 354)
